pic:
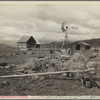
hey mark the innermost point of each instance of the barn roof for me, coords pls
(37, 42)
(84, 43)
(26, 38)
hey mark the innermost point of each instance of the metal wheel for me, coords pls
(51, 61)
(87, 82)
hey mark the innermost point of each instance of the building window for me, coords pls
(78, 46)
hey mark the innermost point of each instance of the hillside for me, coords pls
(93, 42)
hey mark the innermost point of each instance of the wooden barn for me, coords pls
(28, 42)
(81, 46)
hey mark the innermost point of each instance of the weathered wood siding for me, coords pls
(22, 45)
(82, 47)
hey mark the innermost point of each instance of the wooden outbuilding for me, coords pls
(28, 42)
(81, 46)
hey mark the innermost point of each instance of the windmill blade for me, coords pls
(64, 27)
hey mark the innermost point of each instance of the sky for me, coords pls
(43, 20)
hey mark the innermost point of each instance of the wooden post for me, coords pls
(48, 73)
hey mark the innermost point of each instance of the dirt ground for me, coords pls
(59, 86)
(46, 87)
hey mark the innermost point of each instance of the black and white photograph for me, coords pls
(50, 48)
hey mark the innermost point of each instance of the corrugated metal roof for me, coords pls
(26, 38)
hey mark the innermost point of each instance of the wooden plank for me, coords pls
(48, 73)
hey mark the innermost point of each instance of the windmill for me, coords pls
(64, 29)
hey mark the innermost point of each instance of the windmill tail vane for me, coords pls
(74, 27)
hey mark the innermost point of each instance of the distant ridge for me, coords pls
(93, 42)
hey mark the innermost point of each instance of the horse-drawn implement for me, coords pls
(60, 64)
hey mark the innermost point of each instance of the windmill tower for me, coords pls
(64, 29)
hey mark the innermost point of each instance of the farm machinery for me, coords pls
(65, 66)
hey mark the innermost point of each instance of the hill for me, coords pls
(93, 42)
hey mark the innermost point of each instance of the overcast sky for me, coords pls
(44, 20)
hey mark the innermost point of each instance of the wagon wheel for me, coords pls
(51, 61)
(57, 62)
(46, 63)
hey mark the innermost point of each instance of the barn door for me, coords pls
(78, 46)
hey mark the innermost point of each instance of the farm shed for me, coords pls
(81, 46)
(28, 42)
